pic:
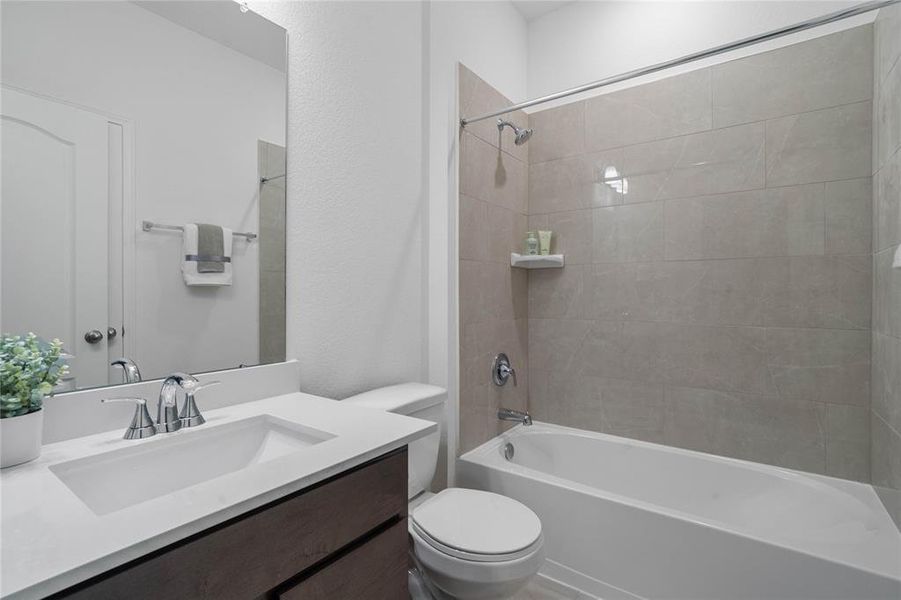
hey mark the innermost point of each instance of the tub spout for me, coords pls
(508, 414)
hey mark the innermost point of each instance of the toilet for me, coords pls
(467, 544)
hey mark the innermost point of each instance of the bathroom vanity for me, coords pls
(278, 498)
(302, 546)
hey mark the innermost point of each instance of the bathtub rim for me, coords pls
(489, 455)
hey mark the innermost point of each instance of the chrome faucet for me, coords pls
(130, 371)
(501, 370)
(508, 414)
(167, 419)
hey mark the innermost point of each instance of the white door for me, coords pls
(55, 235)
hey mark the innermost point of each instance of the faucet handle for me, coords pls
(501, 370)
(141, 424)
(190, 415)
(194, 387)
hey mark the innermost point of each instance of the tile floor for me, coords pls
(543, 589)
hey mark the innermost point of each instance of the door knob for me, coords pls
(93, 336)
(111, 333)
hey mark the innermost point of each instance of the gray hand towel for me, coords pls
(209, 245)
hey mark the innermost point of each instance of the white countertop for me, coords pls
(52, 540)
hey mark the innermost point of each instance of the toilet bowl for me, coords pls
(466, 544)
(475, 545)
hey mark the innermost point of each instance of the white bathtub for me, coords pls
(629, 519)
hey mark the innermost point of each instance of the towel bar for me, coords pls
(148, 225)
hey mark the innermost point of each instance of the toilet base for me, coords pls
(448, 578)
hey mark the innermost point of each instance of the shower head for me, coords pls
(522, 135)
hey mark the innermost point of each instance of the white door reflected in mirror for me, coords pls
(56, 206)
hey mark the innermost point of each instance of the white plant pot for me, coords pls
(20, 438)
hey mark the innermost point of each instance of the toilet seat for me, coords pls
(477, 526)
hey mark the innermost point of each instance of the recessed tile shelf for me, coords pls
(537, 261)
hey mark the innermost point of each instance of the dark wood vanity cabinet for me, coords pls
(344, 538)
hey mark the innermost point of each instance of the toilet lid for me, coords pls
(476, 522)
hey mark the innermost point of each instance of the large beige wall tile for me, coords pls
(849, 216)
(477, 98)
(789, 433)
(817, 291)
(666, 108)
(723, 292)
(479, 397)
(713, 162)
(885, 447)
(620, 292)
(887, 204)
(778, 222)
(558, 132)
(558, 293)
(887, 40)
(823, 145)
(820, 73)
(491, 290)
(825, 365)
(582, 181)
(505, 232)
(887, 125)
(885, 465)
(627, 233)
(615, 406)
(886, 294)
(572, 236)
(491, 175)
(708, 292)
(473, 228)
(730, 358)
(848, 442)
(554, 344)
(886, 396)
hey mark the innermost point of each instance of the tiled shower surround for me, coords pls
(493, 297)
(886, 405)
(717, 228)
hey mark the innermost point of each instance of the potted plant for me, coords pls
(29, 368)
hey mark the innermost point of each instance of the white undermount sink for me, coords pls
(169, 462)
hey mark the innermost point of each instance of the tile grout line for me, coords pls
(700, 131)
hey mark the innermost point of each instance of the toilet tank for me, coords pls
(421, 401)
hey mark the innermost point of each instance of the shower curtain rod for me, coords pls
(688, 58)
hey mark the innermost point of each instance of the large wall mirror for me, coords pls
(143, 184)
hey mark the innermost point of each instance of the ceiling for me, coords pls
(224, 22)
(532, 9)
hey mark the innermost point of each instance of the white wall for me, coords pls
(355, 192)
(586, 41)
(491, 39)
(197, 109)
(371, 220)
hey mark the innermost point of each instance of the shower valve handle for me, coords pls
(501, 370)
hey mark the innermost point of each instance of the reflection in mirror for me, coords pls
(119, 113)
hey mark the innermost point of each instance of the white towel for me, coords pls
(189, 267)
(897, 262)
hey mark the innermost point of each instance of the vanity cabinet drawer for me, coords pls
(376, 570)
(253, 554)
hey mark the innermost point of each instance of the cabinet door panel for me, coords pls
(377, 570)
(255, 553)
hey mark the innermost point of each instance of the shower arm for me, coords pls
(695, 56)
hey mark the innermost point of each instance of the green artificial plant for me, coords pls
(29, 368)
